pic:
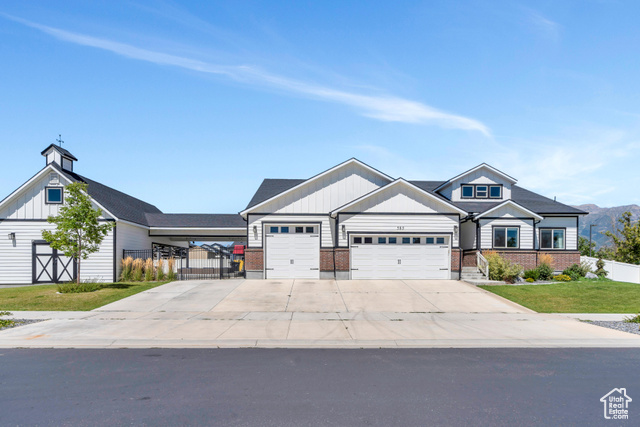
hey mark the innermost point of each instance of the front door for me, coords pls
(50, 266)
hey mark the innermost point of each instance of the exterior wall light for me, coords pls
(255, 228)
(12, 236)
(455, 230)
(344, 228)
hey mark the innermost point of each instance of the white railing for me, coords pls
(618, 271)
(483, 264)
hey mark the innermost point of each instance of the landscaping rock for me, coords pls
(590, 275)
(633, 328)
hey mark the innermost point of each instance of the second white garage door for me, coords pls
(400, 257)
(292, 251)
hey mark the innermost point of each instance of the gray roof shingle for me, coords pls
(528, 199)
(61, 150)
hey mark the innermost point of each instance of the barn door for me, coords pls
(49, 266)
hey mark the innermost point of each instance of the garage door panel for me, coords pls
(292, 255)
(400, 261)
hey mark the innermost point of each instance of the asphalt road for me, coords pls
(451, 387)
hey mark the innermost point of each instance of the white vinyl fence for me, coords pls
(618, 271)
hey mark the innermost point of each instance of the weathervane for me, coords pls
(59, 140)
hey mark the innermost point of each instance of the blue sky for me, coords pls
(190, 105)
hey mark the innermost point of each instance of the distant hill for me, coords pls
(605, 219)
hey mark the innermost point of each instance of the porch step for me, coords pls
(470, 269)
(472, 276)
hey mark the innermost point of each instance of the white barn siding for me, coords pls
(568, 222)
(526, 231)
(16, 259)
(30, 202)
(327, 227)
(382, 223)
(328, 192)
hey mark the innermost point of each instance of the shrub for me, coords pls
(530, 279)
(502, 269)
(546, 259)
(127, 271)
(77, 288)
(160, 270)
(600, 272)
(631, 319)
(577, 271)
(171, 274)
(562, 278)
(6, 323)
(148, 270)
(532, 274)
(138, 272)
(545, 271)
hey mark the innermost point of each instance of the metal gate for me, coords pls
(50, 266)
(196, 262)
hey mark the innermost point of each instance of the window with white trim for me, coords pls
(552, 238)
(53, 195)
(506, 237)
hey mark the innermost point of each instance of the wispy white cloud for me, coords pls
(543, 25)
(381, 107)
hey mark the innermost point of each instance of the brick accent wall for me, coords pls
(254, 259)
(530, 259)
(469, 259)
(455, 259)
(341, 259)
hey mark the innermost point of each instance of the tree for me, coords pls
(584, 247)
(626, 240)
(78, 232)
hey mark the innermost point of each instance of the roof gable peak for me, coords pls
(482, 165)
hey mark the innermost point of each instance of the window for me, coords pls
(481, 191)
(368, 239)
(284, 229)
(506, 237)
(392, 240)
(273, 229)
(357, 240)
(552, 238)
(299, 229)
(440, 240)
(495, 191)
(309, 230)
(53, 195)
(467, 191)
(382, 240)
(430, 240)
(416, 240)
(406, 240)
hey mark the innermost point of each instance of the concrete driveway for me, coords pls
(312, 313)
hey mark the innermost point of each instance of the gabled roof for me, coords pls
(480, 166)
(270, 188)
(62, 151)
(399, 181)
(540, 204)
(512, 204)
(352, 160)
(195, 220)
(119, 204)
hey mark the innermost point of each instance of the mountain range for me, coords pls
(605, 219)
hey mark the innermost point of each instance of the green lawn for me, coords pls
(45, 298)
(586, 296)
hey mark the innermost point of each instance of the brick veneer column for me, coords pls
(254, 259)
(455, 259)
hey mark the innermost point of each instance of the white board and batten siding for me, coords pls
(570, 223)
(386, 212)
(16, 258)
(481, 176)
(262, 222)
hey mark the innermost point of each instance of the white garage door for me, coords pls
(400, 257)
(292, 251)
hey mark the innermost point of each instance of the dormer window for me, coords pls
(53, 195)
(481, 191)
